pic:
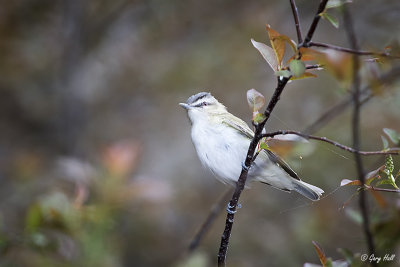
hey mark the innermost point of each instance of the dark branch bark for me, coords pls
(296, 21)
(351, 51)
(231, 209)
(314, 24)
(393, 151)
(351, 35)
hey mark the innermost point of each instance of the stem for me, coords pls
(393, 151)
(243, 175)
(382, 189)
(314, 24)
(296, 21)
(356, 130)
(349, 50)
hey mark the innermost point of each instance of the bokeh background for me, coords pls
(97, 167)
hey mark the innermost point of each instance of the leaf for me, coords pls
(263, 144)
(283, 73)
(393, 135)
(267, 53)
(277, 43)
(258, 117)
(297, 67)
(336, 3)
(370, 177)
(378, 198)
(255, 100)
(333, 20)
(385, 143)
(305, 75)
(345, 182)
(307, 54)
(33, 218)
(320, 252)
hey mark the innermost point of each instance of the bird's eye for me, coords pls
(201, 104)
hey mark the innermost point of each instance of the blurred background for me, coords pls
(97, 167)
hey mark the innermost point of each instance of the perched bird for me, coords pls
(222, 141)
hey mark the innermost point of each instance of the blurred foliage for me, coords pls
(96, 164)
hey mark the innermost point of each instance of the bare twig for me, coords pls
(348, 24)
(216, 209)
(296, 21)
(393, 151)
(314, 24)
(232, 205)
(382, 189)
(351, 51)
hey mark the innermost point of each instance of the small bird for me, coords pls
(222, 141)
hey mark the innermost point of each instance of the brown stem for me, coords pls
(382, 189)
(349, 50)
(232, 205)
(393, 151)
(296, 21)
(314, 24)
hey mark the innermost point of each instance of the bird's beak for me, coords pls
(184, 105)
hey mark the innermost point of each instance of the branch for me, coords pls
(232, 205)
(296, 21)
(393, 151)
(382, 189)
(351, 51)
(351, 35)
(314, 24)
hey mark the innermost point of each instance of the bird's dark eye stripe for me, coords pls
(201, 104)
(197, 97)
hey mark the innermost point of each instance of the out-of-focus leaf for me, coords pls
(305, 75)
(354, 215)
(336, 3)
(378, 198)
(385, 142)
(393, 135)
(348, 254)
(33, 218)
(267, 53)
(332, 20)
(277, 43)
(255, 100)
(307, 54)
(39, 240)
(297, 67)
(283, 73)
(372, 175)
(345, 182)
(320, 252)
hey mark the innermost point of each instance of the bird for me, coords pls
(222, 140)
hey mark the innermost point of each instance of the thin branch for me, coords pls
(315, 66)
(351, 51)
(393, 151)
(382, 189)
(215, 211)
(296, 21)
(348, 24)
(232, 205)
(314, 24)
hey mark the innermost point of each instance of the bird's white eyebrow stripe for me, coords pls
(200, 96)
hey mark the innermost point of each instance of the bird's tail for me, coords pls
(310, 191)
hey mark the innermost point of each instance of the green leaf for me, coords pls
(393, 135)
(333, 20)
(283, 73)
(263, 144)
(297, 67)
(255, 100)
(336, 3)
(33, 218)
(385, 143)
(258, 117)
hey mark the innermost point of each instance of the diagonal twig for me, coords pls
(314, 24)
(393, 151)
(296, 21)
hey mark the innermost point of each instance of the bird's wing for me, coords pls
(277, 160)
(242, 127)
(238, 125)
